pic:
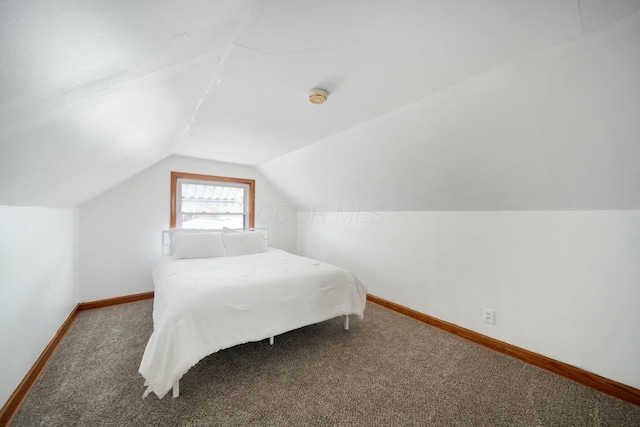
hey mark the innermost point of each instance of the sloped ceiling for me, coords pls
(92, 92)
(557, 130)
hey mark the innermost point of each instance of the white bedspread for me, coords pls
(208, 304)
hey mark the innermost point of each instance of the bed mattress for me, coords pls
(205, 305)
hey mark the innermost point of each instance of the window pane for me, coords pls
(217, 222)
(205, 201)
(205, 198)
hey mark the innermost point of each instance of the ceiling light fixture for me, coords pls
(318, 96)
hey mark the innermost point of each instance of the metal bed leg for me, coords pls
(270, 340)
(346, 322)
(176, 389)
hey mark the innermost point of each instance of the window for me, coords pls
(213, 202)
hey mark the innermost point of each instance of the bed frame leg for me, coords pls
(346, 322)
(270, 340)
(176, 389)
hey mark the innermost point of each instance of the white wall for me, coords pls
(38, 285)
(563, 284)
(120, 229)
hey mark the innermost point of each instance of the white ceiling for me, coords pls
(92, 92)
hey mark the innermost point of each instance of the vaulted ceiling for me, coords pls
(92, 92)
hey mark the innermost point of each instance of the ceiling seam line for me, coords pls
(216, 72)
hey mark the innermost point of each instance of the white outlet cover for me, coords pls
(489, 316)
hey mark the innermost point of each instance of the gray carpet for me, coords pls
(387, 370)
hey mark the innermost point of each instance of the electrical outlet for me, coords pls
(489, 316)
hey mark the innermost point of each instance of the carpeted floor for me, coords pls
(386, 370)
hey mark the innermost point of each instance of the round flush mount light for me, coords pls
(318, 96)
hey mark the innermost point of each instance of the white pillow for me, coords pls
(244, 243)
(197, 245)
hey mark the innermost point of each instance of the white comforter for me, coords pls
(208, 304)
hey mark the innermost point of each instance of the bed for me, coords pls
(215, 290)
